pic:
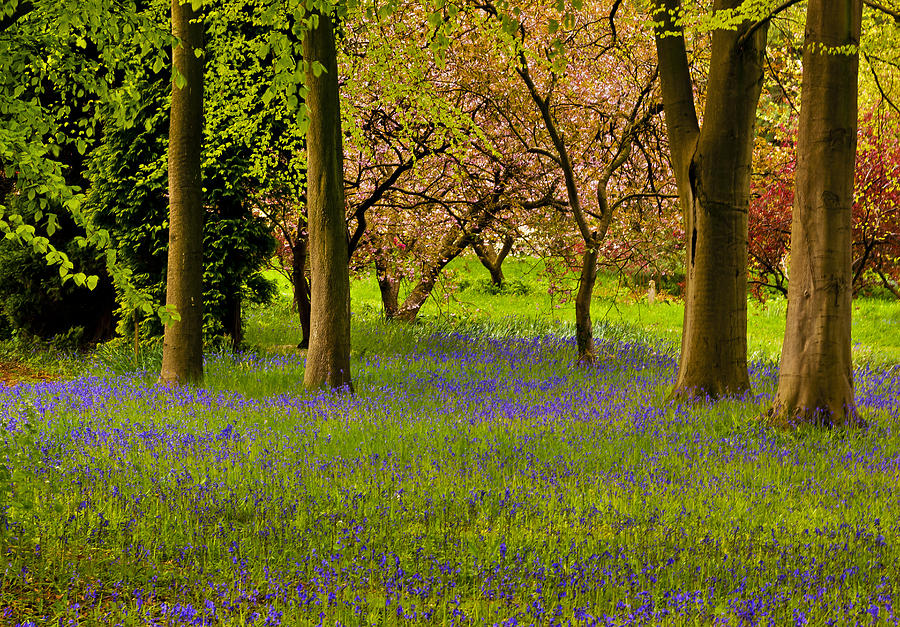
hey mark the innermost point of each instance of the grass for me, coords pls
(460, 297)
(476, 478)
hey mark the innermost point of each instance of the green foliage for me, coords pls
(34, 302)
(486, 286)
(118, 357)
(61, 68)
(128, 196)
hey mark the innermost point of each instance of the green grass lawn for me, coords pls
(461, 296)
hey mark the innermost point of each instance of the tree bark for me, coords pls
(389, 287)
(712, 172)
(493, 260)
(412, 304)
(328, 358)
(182, 360)
(451, 247)
(301, 285)
(815, 384)
(584, 329)
(234, 325)
(887, 285)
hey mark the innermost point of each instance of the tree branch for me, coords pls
(880, 7)
(749, 32)
(884, 95)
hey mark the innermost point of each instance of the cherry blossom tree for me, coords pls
(593, 93)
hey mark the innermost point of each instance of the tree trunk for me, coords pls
(887, 284)
(493, 260)
(413, 302)
(328, 358)
(584, 329)
(389, 287)
(182, 360)
(451, 247)
(300, 285)
(712, 171)
(815, 384)
(234, 324)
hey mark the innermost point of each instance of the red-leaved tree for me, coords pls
(876, 210)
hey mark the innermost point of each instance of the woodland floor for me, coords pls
(13, 372)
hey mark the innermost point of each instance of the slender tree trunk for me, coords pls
(182, 360)
(887, 284)
(583, 326)
(584, 329)
(234, 323)
(451, 247)
(712, 170)
(815, 384)
(413, 302)
(300, 285)
(328, 358)
(389, 287)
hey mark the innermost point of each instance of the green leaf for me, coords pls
(91, 282)
(168, 314)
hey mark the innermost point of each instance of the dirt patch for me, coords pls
(12, 372)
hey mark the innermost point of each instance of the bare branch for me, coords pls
(884, 95)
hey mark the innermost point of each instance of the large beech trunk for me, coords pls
(328, 358)
(712, 170)
(815, 382)
(182, 359)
